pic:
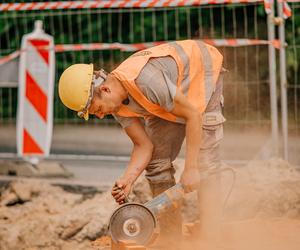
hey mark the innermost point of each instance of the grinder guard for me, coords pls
(134, 222)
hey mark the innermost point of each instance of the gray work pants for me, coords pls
(167, 138)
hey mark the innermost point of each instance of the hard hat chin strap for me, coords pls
(98, 78)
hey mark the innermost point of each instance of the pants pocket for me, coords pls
(212, 129)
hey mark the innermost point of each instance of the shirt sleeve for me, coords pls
(156, 84)
(123, 121)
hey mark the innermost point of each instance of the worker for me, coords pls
(160, 96)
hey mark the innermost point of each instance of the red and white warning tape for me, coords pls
(240, 42)
(9, 57)
(105, 46)
(97, 4)
(114, 4)
(287, 12)
(139, 46)
(267, 4)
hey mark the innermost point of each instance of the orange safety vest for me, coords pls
(199, 65)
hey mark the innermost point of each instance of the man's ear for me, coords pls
(104, 88)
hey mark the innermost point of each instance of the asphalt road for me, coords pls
(98, 154)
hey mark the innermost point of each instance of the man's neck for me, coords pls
(118, 86)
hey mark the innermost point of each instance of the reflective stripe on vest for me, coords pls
(186, 62)
(208, 75)
(198, 69)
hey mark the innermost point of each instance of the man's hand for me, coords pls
(190, 179)
(121, 190)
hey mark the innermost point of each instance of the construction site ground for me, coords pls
(263, 211)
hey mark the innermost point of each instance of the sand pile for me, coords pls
(263, 209)
(35, 215)
(264, 189)
(260, 189)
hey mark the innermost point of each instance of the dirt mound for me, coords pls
(262, 211)
(264, 189)
(259, 189)
(36, 215)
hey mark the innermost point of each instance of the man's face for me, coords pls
(103, 103)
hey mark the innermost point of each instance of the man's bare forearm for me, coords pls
(193, 140)
(141, 153)
(140, 157)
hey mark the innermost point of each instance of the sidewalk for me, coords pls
(237, 145)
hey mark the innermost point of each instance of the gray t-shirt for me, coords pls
(158, 82)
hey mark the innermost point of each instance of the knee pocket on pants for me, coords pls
(212, 129)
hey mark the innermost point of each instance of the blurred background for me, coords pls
(261, 47)
(247, 84)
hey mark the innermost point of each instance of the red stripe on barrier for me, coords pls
(59, 47)
(152, 4)
(80, 6)
(122, 4)
(44, 6)
(20, 6)
(97, 4)
(232, 42)
(31, 6)
(36, 96)
(287, 12)
(67, 6)
(29, 145)
(138, 3)
(254, 41)
(140, 46)
(43, 52)
(166, 4)
(276, 44)
(108, 4)
(181, 3)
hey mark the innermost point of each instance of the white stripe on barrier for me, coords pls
(35, 126)
(39, 65)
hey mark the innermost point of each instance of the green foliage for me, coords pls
(147, 25)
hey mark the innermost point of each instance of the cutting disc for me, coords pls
(132, 221)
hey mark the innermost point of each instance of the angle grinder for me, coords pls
(138, 222)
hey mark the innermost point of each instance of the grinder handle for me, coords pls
(166, 201)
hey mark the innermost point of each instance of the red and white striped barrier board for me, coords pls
(35, 97)
(140, 46)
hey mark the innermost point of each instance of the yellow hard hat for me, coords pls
(74, 88)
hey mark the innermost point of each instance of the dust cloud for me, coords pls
(261, 213)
